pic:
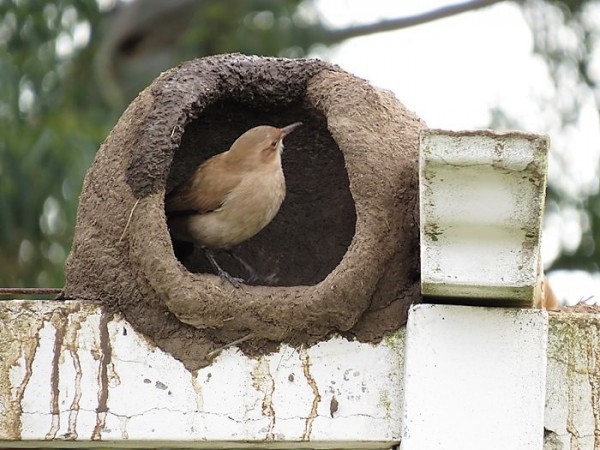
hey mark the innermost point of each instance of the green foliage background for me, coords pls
(69, 67)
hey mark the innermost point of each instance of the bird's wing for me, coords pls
(205, 191)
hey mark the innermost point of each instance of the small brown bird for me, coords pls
(231, 196)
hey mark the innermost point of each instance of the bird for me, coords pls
(231, 196)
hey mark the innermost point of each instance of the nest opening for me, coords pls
(316, 223)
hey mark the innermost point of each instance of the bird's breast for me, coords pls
(247, 209)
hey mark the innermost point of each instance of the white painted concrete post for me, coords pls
(475, 378)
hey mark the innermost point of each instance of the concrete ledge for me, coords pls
(481, 206)
(71, 376)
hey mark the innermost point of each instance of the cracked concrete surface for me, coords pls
(68, 371)
(306, 368)
(572, 419)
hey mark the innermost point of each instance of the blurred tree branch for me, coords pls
(335, 36)
(142, 33)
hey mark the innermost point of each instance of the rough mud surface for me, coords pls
(344, 246)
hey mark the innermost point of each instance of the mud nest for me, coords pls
(344, 246)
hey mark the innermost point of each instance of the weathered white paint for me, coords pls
(69, 372)
(573, 388)
(151, 400)
(481, 203)
(475, 378)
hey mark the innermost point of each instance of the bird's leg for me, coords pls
(253, 274)
(235, 282)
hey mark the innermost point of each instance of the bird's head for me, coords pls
(261, 145)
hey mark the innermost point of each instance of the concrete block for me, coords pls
(474, 378)
(72, 375)
(481, 199)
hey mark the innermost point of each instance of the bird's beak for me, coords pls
(287, 130)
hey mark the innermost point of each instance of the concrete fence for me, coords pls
(74, 376)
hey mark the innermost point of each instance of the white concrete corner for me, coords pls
(475, 378)
(481, 202)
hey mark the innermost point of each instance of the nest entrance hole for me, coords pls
(316, 223)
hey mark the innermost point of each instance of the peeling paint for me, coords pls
(72, 346)
(593, 361)
(123, 421)
(197, 385)
(304, 357)
(59, 320)
(100, 424)
(19, 339)
(333, 406)
(105, 358)
(575, 349)
(73, 356)
(263, 382)
(21, 323)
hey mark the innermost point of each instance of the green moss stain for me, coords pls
(385, 404)
(433, 231)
